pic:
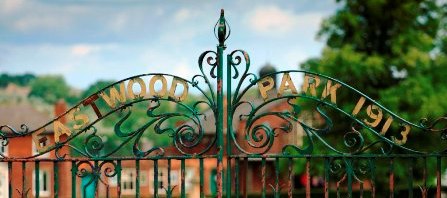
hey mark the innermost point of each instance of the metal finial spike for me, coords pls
(221, 29)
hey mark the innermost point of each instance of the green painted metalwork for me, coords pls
(56, 179)
(155, 178)
(74, 170)
(183, 172)
(349, 161)
(37, 175)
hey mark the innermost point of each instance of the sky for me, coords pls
(86, 41)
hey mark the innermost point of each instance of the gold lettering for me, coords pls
(404, 134)
(130, 90)
(82, 118)
(376, 116)
(184, 94)
(358, 106)
(286, 84)
(91, 101)
(114, 95)
(39, 140)
(386, 126)
(59, 130)
(265, 84)
(331, 90)
(162, 91)
(310, 82)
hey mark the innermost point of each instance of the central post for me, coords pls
(221, 35)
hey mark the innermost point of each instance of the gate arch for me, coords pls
(226, 128)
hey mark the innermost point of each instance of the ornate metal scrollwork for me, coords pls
(262, 124)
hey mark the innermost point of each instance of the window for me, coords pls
(35, 152)
(44, 183)
(163, 180)
(128, 180)
(3, 180)
(3, 148)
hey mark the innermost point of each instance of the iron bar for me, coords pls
(22, 193)
(10, 179)
(37, 178)
(236, 176)
(308, 178)
(56, 179)
(137, 178)
(74, 171)
(326, 177)
(277, 188)
(410, 178)
(349, 173)
(372, 168)
(169, 189)
(182, 172)
(438, 177)
(391, 177)
(263, 177)
(229, 126)
(156, 178)
(118, 177)
(290, 178)
(202, 187)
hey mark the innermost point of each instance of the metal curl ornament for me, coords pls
(354, 141)
(108, 171)
(93, 144)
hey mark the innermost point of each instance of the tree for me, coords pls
(394, 51)
(21, 80)
(50, 88)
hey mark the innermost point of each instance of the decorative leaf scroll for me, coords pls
(256, 120)
(120, 99)
(375, 129)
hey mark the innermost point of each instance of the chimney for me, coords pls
(60, 107)
(264, 71)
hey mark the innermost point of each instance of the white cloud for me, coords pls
(82, 50)
(87, 49)
(120, 21)
(10, 6)
(273, 20)
(184, 70)
(182, 15)
(42, 22)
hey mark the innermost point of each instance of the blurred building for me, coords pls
(23, 175)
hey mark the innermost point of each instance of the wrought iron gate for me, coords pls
(244, 136)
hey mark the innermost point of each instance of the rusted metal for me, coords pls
(290, 178)
(308, 178)
(219, 179)
(263, 177)
(254, 132)
(391, 177)
(183, 172)
(438, 177)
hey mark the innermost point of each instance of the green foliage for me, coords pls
(394, 51)
(21, 80)
(390, 50)
(98, 85)
(50, 88)
(137, 119)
